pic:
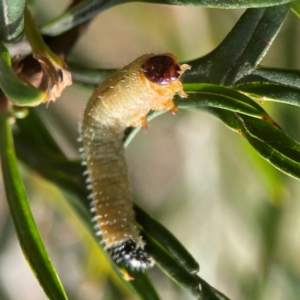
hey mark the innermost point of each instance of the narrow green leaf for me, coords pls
(11, 20)
(28, 234)
(273, 145)
(210, 293)
(32, 33)
(87, 9)
(18, 91)
(227, 117)
(166, 239)
(88, 76)
(259, 44)
(220, 97)
(280, 85)
(268, 91)
(37, 43)
(171, 267)
(296, 8)
(270, 142)
(242, 49)
(286, 77)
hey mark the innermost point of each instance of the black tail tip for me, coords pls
(131, 255)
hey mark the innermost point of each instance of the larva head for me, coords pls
(131, 255)
(161, 69)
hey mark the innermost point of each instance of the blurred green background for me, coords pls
(236, 214)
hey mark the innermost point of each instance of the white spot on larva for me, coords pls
(111, 86)
(93, 202)
(95, 218)
(96, 227)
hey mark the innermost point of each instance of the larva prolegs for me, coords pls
(123, 100)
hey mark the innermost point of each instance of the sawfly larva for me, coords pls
(124, 99)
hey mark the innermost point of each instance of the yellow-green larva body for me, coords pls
(122, 100)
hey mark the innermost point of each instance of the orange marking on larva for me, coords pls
(174, 110)
(123, 100)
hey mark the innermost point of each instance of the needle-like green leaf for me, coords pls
(203, 94)
(88, 76)
(28, 234)
(162, 235)
(87, 9)
(285, 77)
(270, 142)
(269, 91)
(280, 85)
(296, 7)
(11, 20)
(242, 49)
(171, 267)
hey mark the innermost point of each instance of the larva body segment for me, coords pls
(123, 100)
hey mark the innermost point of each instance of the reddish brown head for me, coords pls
(161, 69)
